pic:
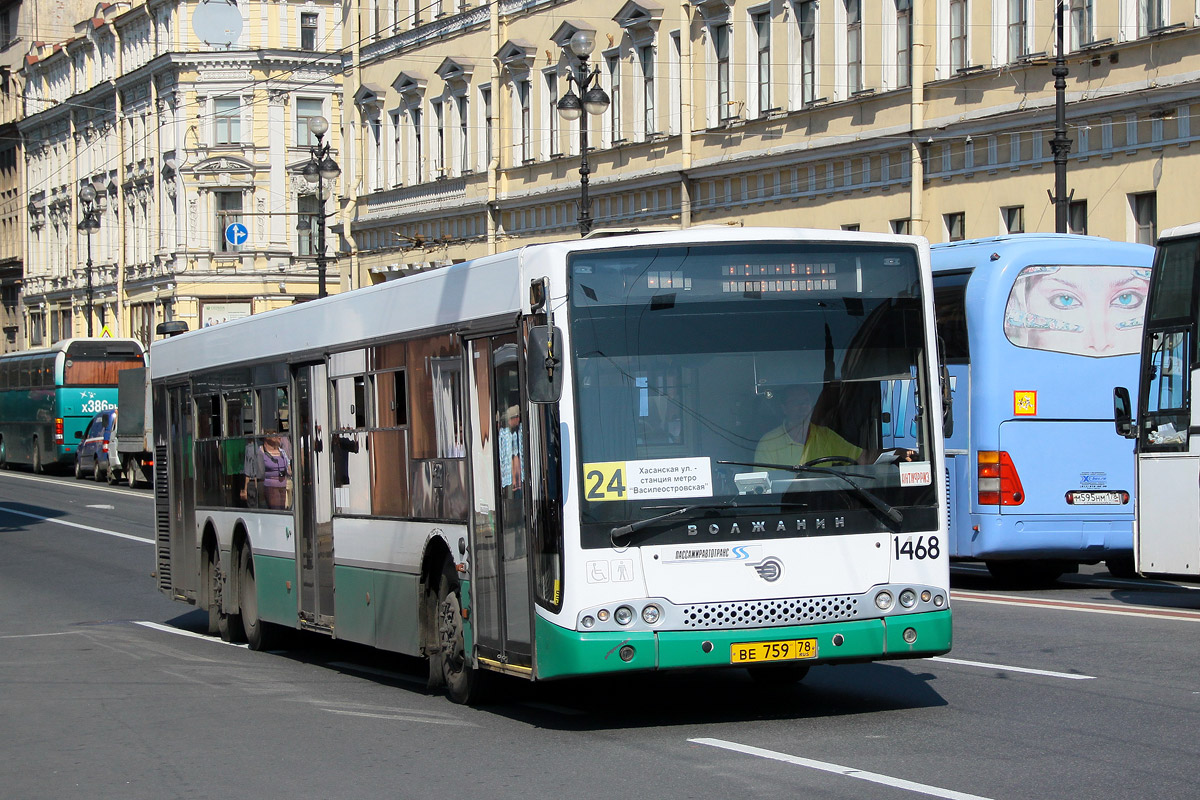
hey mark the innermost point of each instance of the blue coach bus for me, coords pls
(1035, 330)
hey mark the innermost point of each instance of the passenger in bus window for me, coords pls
(268, 471)
(799, 439)
(1079, 310)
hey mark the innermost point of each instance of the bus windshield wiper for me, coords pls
(890, 511)
(634, 527)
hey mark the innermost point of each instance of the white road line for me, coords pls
(837, 769)
(168, 629)
(1179, 614)
(88, 486)
(7, 510)
(1005, 668)
(37, 635)
(402, 717)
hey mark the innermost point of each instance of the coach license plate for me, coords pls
(1096, 498)
(761, 652)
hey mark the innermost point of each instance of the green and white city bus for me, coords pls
(550, 462)
(49, 395)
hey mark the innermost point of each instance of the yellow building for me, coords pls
(933, 117)
(152, 130)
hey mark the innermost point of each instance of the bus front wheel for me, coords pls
(451, 665)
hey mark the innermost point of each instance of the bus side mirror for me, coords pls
(947, 403)
(1123, 412)
(544, 364)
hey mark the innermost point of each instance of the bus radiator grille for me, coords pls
(769, 613)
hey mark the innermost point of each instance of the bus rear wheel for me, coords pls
(259, 635)
(131, 473)
(451, 665)
(37, 458)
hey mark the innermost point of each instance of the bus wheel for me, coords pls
(1121, 567)
(778, 674)
(209, 578)
(462, 680)
(1023, 572)
(37, 458)
(3, 455)
(259, 635)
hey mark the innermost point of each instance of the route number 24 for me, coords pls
(921, 549)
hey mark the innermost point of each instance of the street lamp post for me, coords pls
(88, 224)
(320, 168)
(593, 100)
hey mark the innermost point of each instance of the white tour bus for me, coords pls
(574, 458)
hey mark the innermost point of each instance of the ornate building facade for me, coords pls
(182, 125)
(926, 116)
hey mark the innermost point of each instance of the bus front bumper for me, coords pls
(564, 653)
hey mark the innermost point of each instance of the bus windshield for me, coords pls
(705, 375)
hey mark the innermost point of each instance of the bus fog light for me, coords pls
(627, 651)
(838, 640)
(908, 598)
(883, 600)
(623, 615)
(602, 615)
(588, 622)
(651, 614)
(925, 596)
(910, 635)
(939, 601)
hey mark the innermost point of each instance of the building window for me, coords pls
(555, 147)
(379, 165)
(956, 224)
(958, 34)
(854, 64)
(1081, 23)
(852, 226)
(523, 92)
(306, 238)
(464, 143)
(227, 120)
(1016, 29)
(1150, 16)
(901, 226)
(306, 109)
(1077, 217)
(808, 51)
(720, 35)
(418, 145)
(646, 58)
(1014, 219)
(229, 211)
(762, 35)
(1145, 217)
(614, 110)
(397, 161)
(439, 138)
(308, 32)
(904, 32)
(485, 97)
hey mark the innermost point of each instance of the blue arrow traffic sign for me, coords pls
(236, 233)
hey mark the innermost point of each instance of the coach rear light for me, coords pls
(623, 615)
(908, 598)
(883, 600)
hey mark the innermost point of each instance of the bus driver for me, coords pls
(799, 439)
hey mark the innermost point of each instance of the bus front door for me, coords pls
(500, 591)
(314, 518)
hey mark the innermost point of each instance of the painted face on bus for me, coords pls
(1080, 310)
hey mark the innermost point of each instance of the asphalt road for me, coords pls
(1086, 689)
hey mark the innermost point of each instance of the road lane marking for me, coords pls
(1180, 614)
(837, 769)
(37, 635)
(1086, 579)
(91, 487)
(1071, 676)
(401, 717)
(189, 634)
(6, 509)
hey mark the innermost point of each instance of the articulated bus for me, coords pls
(48, 396)
(547, 462)
(1168, 450)
(1035, 330)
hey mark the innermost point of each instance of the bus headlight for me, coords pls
(588, 622)
(623, 615)
(602, 615)
(883, 600)
(651, 614)
(908, 598)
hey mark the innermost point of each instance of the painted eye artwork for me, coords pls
(1065, 301)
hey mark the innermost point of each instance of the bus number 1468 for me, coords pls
(919, 550)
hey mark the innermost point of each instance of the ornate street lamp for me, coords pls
(594, 101)
(320, 168)
(89, 223)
